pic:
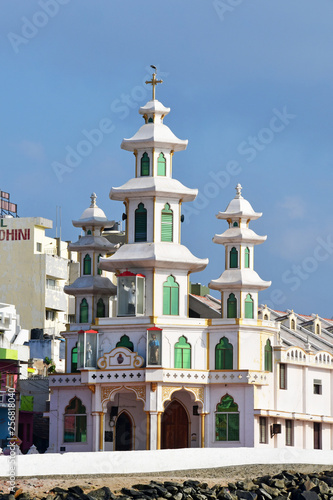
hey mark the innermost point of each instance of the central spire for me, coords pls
(153, 82)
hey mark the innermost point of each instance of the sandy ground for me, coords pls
(40, 486)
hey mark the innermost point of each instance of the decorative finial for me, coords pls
(153, 81)
(238, 191)
(93, 200)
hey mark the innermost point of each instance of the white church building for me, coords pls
(140, 373)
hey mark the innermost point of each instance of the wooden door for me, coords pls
(174, 427)
(123, 433)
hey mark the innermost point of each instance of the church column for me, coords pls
(95, 430)
(148, 431)
(155, 430)
(202, 429)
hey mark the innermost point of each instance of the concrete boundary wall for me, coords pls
(125, 462)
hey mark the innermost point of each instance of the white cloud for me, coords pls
(32, 150)
(295, 206)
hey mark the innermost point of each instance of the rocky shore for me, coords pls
(227, 483)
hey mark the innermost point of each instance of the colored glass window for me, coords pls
(141, 223)
(84, 311)
(167, 223)
(99, 271)
(125, 342)
(161, 165)
(227, 420)
(268, 356)
(182, 354)
(171, 297)
(74, 359)
(233, 258)
(224, 355)
(247, 257)
(75, 422)
(249, 307)
(145, 164)
(100, 308)
(87, 264)
(232, 306)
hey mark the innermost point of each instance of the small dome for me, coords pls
(93, 212)
(239, 207)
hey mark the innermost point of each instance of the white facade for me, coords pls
(151, 377)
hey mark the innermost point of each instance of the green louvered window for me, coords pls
(167, 223)
(232, 306)
(182, 354)
(74, 359)
(125, 342)
(233, 258)
(268, 356)
(249, 309)
(75, 422)
(141, 223)
(224, 355)
(247, 257)
(100, 308)
(161, 162)
(87, 264)
(84, 311)
(227, 420)
(145, 164)
(171, 297)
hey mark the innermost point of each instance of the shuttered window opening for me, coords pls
(140, 223)
(289, 433)
(167, 223)
(171, 297)
(262, 430)
(161, 165)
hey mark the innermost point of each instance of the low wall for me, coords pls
(124, 462)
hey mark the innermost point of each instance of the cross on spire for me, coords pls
(153, 82)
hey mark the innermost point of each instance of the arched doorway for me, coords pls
(124, 440)
(175, 426)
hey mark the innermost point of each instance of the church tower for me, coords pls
(239, 284)
(153, 267)
(93, 289)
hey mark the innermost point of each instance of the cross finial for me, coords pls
(93, 200)
(153, 82)
(239, 191)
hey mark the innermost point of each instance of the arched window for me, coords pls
(88, 232)
(125, 342)
(232, 306)
(161, 170)
(266, 316)
(74, 359)
(140, 223)
(150, 120)
(292, 324)
(235, 224)
(99, 271)
(166, 223)
(182, 354)
(233, 258)
(227, 420)
(247, 257)
(317, 329)
(75, 422)
(84, 311)
(249, 309)
(224, 355)
(268, 357)
(100, 309)
(87, 264)
(145, 164)
(171, 297)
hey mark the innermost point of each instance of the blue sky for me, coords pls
(249, 85)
